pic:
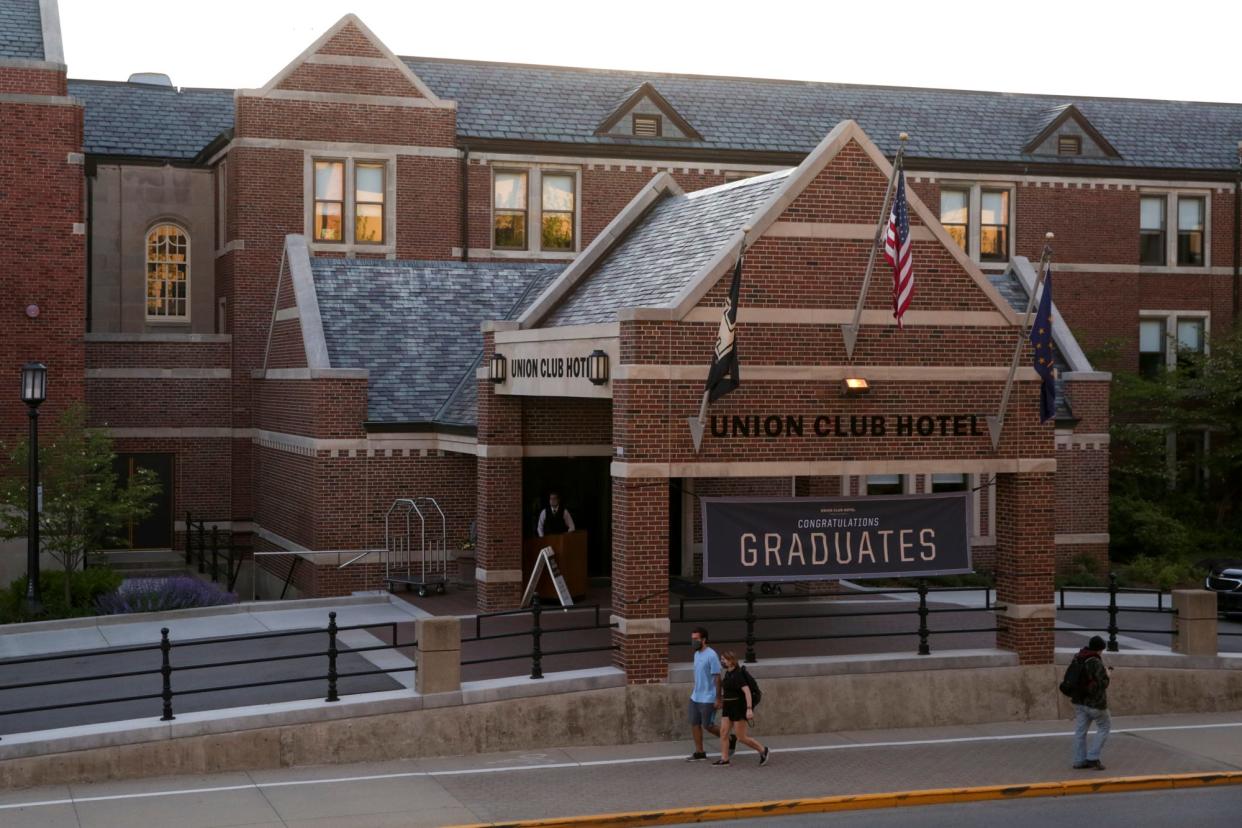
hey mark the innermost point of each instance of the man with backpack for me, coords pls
(1086, 684)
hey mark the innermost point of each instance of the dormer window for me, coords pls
(1069, 145)
(647, 126)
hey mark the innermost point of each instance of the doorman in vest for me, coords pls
(555, 519)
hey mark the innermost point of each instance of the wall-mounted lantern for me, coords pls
(597, 367)
(499, 368)
(854, 387)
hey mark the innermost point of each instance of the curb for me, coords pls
(896, 799)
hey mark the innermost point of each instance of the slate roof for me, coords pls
(21, 29)
(147, 121)
(672, 242)
(523, 102)
(1012, 290)
(415, 326)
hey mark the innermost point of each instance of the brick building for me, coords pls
(274, 296)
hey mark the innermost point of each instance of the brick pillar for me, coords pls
(640, 578)
(498, 552)
(1025, 565)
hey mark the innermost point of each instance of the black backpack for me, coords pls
(1076, 680)
(756, 695)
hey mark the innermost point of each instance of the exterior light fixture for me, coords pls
(499, 368)
(854, 387)
(34, 392)
(597, 367)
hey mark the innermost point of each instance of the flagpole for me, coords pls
(850, 332)
(997, 423)
(697, 424)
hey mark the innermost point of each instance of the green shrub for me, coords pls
(84, 588)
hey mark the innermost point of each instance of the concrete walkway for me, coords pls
(569, 781)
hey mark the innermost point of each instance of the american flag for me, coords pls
(897, 250)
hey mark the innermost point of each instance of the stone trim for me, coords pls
(31, 63)
(159, 373)
(1083, 441)
(373, 445)
(619, 164)
(498, 576)
(200, 433)
(828, 373)
(311, 373)
(1074, 539)
(338, 147)
(349, 60)
(837, 316)
(526, 255)
(825, 230)
(640, 626)
(827, 468)
(285, 314)
(1023, 611)
(187, 338)
(53, 45)
(39, 100)
(345, 98)
(1181, 270)
(298, 253)
(235, 244)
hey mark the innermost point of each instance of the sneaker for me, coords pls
(696, 757)
(732, 742)
(1082, 765)
(721, 762)
(763, 757)
(1096, 764)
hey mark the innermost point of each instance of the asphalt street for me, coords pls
(1206, 808)
(594, 780)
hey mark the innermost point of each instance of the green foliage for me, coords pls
(84, 587)
(84, 507)
(1169, 511)
(1083, 571)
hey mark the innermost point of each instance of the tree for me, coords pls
(84, 505)
(1176, 480)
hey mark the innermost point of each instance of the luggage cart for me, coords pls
(426, 567)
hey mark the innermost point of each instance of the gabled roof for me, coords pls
(505, 101)
(1052, 119)
(673, 242)
(21, 30)
(648, 92)
(665, 250)
(414, 325)
(144, 121)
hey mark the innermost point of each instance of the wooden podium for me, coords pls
(571, 559)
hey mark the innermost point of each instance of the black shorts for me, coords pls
(734, 709)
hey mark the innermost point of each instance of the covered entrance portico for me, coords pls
(649, 295)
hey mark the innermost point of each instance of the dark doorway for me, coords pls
(585, 487)
(155, 531)
(675, 512)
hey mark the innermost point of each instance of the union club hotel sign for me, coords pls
(814, 539)
(848, 425)
(552, 367)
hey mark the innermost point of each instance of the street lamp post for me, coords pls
(34, 392)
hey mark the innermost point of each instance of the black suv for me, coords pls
(1225, 579)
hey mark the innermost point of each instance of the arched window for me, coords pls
(168, 272)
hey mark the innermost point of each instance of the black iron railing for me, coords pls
(168, 671)
(825, 608)
(1113, 610)
(211, 548)
(535, 630)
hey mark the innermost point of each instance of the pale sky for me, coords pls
(1183, 50)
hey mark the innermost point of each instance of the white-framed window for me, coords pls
(886, 484)
(1171, 339)
(979, 217)
(350, 203)
(957, 482)
(168, 273)
(1175, 228)
(535, 209)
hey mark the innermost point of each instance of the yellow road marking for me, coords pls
(858, 802)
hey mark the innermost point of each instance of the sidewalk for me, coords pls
(569, 781)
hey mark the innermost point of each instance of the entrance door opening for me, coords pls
(585, 487)
(155, 531)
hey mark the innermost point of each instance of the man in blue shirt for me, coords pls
(705, 700)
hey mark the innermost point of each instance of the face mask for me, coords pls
(696, 643)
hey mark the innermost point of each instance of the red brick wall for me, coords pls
(44, 261)
(1025, 562)
(640, 575)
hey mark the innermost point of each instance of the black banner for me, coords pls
(752, 539)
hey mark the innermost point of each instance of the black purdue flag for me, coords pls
(723, 378)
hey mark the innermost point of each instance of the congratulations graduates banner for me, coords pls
(752, 539)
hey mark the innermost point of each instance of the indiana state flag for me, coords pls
(1041, 344)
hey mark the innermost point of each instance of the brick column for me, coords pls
(640, 578)
(498, 553)
(1025, 565)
